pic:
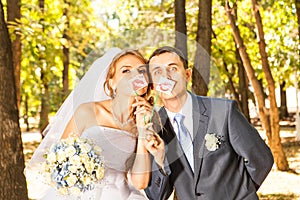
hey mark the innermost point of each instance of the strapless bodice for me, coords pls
(117, 146)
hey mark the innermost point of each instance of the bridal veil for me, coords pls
(89, 89)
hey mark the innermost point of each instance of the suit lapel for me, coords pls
(200, 123)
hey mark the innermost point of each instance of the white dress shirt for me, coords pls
(187, 111)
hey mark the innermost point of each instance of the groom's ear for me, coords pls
(188, 74)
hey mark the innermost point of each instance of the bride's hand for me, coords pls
(154, 144)
(151, 140)
(143, 111)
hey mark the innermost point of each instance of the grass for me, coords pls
(278, 197)
(284, 185)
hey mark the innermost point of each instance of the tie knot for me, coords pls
(179, 118)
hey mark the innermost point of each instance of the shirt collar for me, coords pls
(185, 110)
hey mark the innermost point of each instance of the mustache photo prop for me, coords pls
(165, 85)
(138, 82)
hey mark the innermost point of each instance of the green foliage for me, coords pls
(280, 23)
(134, 23)
(42, 43)
(94, 26)
(280, 27)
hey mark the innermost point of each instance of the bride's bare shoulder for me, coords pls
(85, 109)
(89, 107)
(103, 106)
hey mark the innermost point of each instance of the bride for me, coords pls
(109, 106)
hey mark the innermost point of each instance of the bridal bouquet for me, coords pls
(74, 165)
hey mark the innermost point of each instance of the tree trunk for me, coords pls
(279, 155)
(180, 27)
(297, 3)
(231, 84)
(66, 52)
(26, 120)
(201, 71)
(14, 15)
(263, 112)
(243, 81)
(12, 179)
(243, 86)
(45, 107)
(229, 75)
(283, 104)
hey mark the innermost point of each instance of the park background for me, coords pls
(244, 50)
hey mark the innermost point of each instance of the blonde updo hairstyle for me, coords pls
(112, 68)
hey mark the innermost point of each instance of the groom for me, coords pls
(212, 152)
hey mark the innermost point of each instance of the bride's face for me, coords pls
(127, 69)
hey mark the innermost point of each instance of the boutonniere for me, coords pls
(212, 141)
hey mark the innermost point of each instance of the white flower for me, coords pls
(75, 190)
(100, 173)
(52, 148)
(97, 150)
(89, 166)
(84, 158)
(82, 140)
(212, 142)
(80, 168)
(87, 180)
(51, 157)
(60, 156)
(70, 151)
(73, 168)
(85, 148)
(71, 180)
(75, 160)
(68, 141)
(63, 190)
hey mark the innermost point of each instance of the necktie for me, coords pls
(185, 139)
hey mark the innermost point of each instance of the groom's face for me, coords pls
(168, 65)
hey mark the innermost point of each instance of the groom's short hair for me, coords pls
(169, 49)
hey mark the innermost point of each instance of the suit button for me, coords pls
(157, 181)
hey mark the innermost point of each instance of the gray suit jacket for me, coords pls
(234, 171)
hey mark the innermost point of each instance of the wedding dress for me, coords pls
(117, 149)
(118, 146)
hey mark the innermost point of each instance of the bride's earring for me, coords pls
(114, 93)
(112, 89)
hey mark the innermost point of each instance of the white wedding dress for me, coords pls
(117, 148)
